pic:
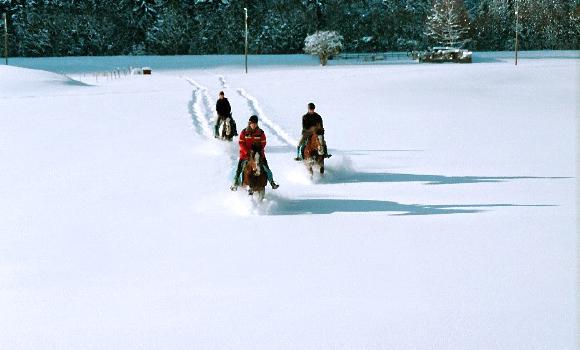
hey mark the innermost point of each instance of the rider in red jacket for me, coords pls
(252, 138)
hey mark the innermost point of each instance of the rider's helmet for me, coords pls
(253, 119)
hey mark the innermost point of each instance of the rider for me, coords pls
(311, 122)
(223, 110)
(252, 137)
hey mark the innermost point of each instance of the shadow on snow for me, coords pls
(338, 176)
(329, 206)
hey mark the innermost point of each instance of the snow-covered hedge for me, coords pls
(324, 44)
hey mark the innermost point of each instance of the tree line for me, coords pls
(172, 27)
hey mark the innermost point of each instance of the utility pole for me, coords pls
(246, 50)
(5, 38)
(517, 2)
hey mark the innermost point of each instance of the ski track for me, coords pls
(223, 82)
(211, 117)
(225, 87)
(203, 103)
(196, 110)
(280, 133)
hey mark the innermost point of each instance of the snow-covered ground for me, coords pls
(446, 218)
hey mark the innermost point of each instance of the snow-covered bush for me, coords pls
(324, 44)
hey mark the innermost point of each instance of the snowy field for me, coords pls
(446, 218)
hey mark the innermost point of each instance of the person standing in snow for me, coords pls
(223, 109)
(254, 138)
(311, 123)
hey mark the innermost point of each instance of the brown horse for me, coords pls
(254, 177)
(314, 153)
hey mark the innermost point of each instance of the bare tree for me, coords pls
(448, 22)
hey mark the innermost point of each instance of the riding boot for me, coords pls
(216, 129)
(270, 175)
(234, 187)
(299, 150)
(326, 155)
(301, 145)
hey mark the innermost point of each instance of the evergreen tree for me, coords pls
(170, 34)
(121, 27)
(283, 28)
(448, 23)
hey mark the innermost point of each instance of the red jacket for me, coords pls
(249, 138)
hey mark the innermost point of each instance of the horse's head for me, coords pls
(314, 145)
(253, 162)
(319, 147)
(253, 174)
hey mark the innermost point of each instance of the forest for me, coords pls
(181, 27)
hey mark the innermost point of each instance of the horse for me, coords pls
(314, 153)
(254, 177)
(228, 128)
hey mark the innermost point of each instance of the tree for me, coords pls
(281, 29)
(170, 34)
(315, 9)
(448, 22)
(545, 24)
(122, 27)
(324, 44)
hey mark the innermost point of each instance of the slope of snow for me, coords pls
(446, 218)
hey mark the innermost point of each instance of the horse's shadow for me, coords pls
(330, 206)
(349, 176)
(286, 206)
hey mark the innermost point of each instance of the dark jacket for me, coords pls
(223, 107)
(310, 120)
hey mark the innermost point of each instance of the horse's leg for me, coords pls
(321, 164)
(309, 167)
